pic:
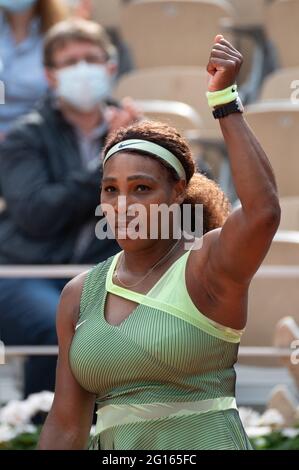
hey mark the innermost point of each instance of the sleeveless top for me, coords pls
(164, 378)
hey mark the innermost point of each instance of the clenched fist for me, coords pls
(224, 64)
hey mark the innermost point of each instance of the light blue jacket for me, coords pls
(21, 72)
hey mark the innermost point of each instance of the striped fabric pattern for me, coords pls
(154, 357)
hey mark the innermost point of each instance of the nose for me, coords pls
(121, 206)
(123, 203)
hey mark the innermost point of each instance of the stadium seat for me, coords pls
(172, 32)
(249, 13)
(185, 84)
(282, 18)
(273, 294)
(284, 250)
(176, 114)
(271, 297)
(107, 13)
(289, 213)
(282, 84)
(276, 126)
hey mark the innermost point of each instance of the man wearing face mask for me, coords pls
(50, 171)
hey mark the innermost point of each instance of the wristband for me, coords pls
(218, 98)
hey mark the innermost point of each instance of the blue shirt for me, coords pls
(21, 71)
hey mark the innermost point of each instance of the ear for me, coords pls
(51, 77)
(180, 191)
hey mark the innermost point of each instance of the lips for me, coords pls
(126, 231)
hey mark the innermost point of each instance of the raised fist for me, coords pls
(224, 64)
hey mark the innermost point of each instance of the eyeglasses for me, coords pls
(90, 59)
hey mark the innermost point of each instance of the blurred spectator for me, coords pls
(50, 175)
(22, 25)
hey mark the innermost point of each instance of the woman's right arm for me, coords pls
(68, 424)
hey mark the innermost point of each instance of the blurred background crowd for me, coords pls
(73, 71)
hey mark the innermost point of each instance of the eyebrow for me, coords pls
(111, 179)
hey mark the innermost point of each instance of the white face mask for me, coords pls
(16, 6)
(84, 85)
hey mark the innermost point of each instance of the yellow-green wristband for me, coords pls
(217, 98)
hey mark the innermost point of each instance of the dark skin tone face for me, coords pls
(144, 181)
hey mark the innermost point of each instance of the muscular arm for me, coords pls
(68, 424)
(232, 254)
(245, 238)
(238, 249)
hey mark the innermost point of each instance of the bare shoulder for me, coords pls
(69, 305)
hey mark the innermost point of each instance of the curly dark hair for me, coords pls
(200, 189)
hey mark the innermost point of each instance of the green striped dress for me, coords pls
(164, 378)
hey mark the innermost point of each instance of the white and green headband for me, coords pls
(151, 148)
